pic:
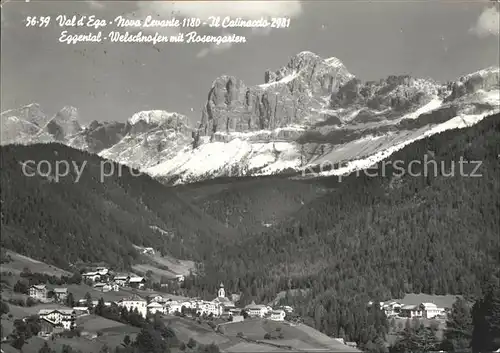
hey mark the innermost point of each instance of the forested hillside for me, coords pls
(65, 221)
(379, 237)
(251, 204)
(349, 241)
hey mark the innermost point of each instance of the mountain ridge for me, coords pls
(308, 111)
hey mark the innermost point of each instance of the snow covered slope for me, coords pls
(310, 112)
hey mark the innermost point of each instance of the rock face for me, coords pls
(487, 79)
(64, 123)
(30, 124)
(98, 136)
(150, 136)
(398, 93)
(287, 96)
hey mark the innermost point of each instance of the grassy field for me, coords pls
(20, 262)
(299, 337)
(158, 273)
(202, 333)
(324, 339)
(19, 312)
(177, 267)
(78, 343)
(245, 347)
(94, 323)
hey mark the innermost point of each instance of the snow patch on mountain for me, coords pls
(342, 169)
(152, 117)
(286, 79)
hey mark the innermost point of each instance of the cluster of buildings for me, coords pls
(55, 320)
(221, 306)
(42, 293)
(422, 310)
(103, 280)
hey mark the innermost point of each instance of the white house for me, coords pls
(103, 271)
(155, 307)
(255, 310)
(180, 278)
(134, 302)
(103, 287)
(209, 308)
(391, 309)
(156, 299)
(121, 280)
(238, 318)
(430, 310)
(38, 292)
(189, 304)
(60, 293)
(288, 309)
(411, 311)
(91, 276)
(81, 310)
(137, 282)
(278, 315)
(64, 317)
(173, 308)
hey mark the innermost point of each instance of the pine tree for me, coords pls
(100, 307)
(70, 300)
(458, 333)
(88, 300)
(493, 318)
(486, 321)
(150, 341)
(46, 349)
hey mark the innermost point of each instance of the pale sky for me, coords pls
(109, 81)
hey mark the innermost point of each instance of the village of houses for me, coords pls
(394, 309)
(58, 320)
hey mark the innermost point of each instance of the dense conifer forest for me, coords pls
(372, 238)
(63, 222)
(350, 241)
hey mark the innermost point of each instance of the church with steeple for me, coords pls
(222, 299)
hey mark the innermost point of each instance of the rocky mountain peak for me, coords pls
(486, 79)
(307, 70)
(288, 97)
(396, 92)
(64, 123)
(148, 120)
(31, 113)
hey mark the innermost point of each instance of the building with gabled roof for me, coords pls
(60, 293)
(64, 317)
(38, 291)
(155, 307)
(137, 282)
(134, 302)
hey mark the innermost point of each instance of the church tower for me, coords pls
(222, 292)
